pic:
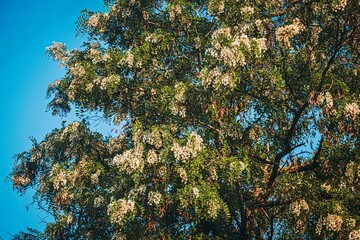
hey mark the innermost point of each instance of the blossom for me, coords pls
(59, 52)
(173, 11)
(93, 21)
(152, 157)
(117, 210)
(19, 180)
(248, 11)
(352, 110)
(154, 198)
(77, 70)
(339, 5)
(299, 206)
(193, 146)
(153, 138)
(354, 235)
(99, 201)
(130, 160)
(213, 208)
(286, 33)
(333, 222)
(196, 192)
(182, 174)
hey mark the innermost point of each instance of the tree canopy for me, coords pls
(232, 120)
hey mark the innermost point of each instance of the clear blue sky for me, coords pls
(26, 28)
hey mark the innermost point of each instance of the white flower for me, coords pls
(333, 222)
(131, 160)
(152, 157)
(299, 206)
(117, 210)
(354, 235)
(93, 21)
(154, 198)
(59, 52)
(352, 110)
(247, 11)
(196, 192)
(99, 201)
(286, 33)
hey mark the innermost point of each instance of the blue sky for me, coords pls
(26, 28)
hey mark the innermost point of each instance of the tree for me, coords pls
(233, 119)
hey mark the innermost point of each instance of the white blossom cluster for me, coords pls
(153, 138)
(286, 33)
(299, 206)
(352, 110)
(77, 70)
(182, 174)
(174, 10)
(323, 99)
(350, 172)
(193, 146)
(227, 47)
(333, 222)
(70, 130)
(108, 81)
(247, 11)
(339, 5)
(20, 180)
(178, 106)
(152, 157)
(59, 52)
(117, 210)
(131, 160)
(99, 201)
(136, 192)
(95, 55)
(129, 59)
(154, 198)
(216, 7)
(196, 192)
(354, 235)
(215, 77)
(93, 21)
(213, 208)
(97, 21)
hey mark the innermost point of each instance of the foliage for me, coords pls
(234, 119)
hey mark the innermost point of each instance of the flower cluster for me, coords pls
(193, 146)
(77, 70)
(174, 10)
(352, 110)
(182, 174)
(333, 222)
(99, 201)
(247, 11)
(20, 180)
(153, 138)
(213, 208)
(354, 235)
(152, 157)
(216, 7)
(339, 5)
(59, 52)
(227, 47)
(118, 210)
(216, 78)
(299, 206)
(286, 33)
(178, 106)
(154, 198)
(131, 160)
(107, 82)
